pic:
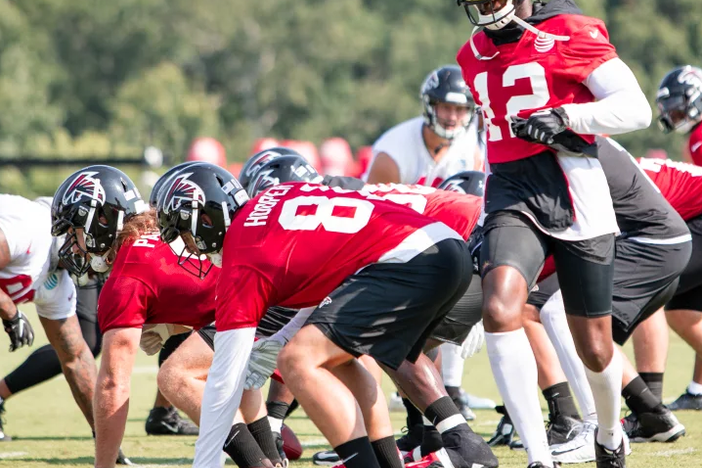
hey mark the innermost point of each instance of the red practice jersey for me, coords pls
(147, 285)
(532, 74)
(295, 243)
(680, 183)
(694, 145)
(458, 211)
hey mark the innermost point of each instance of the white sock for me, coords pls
(554, 319)
(694, 388)
(606, 389)
(451, 365)
(276, 424)
(514, 367)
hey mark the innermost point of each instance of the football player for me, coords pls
(681, 185)
(458, 208)
(147, 298)
(679, 101)
(545, 75)
(426, 150)
(305, 245)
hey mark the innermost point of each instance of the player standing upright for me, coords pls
(537, 70)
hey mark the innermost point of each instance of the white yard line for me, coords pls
(12, 454)
(670, 453)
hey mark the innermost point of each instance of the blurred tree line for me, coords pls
(86, 78)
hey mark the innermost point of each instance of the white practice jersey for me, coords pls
(405, 145)
(26, 226)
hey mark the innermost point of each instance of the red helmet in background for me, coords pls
(364, 155)
(336, 157)
(207, 150)
(307, 149)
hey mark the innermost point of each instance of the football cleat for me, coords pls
(461, 402)
(562, 429)
(687, 401)
(580, 449)
(326, 458)
(606, 458)
(167, 421)
(504, 434)
(3, 437)
(660, 426)
(411, 439)
(538, 464)
(476, 402)
(122, 459)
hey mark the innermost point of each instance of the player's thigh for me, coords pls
(388, 310)
(65, 336)
(457, 324)
(512, 240)
(691, 277)
(585, 272)
(193, 356)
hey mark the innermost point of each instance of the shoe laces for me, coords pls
(585, 429)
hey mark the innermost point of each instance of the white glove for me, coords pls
(474, 341)
(153, 337)
(263, 361)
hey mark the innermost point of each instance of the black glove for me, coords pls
(20, 331)
(542, 126)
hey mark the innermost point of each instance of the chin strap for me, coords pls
(522, 23)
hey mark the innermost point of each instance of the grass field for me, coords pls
(49, 430)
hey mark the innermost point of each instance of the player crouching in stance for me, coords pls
(380, 275)
(108, 228)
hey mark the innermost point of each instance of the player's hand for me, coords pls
(19, 330)
(262, 363)
(541, 126)
(474, 341)
(153, 337)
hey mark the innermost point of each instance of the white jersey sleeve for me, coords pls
(55, 299)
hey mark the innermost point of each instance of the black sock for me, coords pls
(277, 409)
(654, 381)
(357, 453)
(414, 416)
(293, 406)
(431, 440)
(560, 401)
(386, 453)
(453, 392)
(261, 432)
(639, 397)
(243, 449)
(440, 410)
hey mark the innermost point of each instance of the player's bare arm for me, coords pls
(77, 361)
(384, 170)
(111, 402)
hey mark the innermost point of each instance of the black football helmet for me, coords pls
(280, 170)
(679, 100)
(445, 84)
(468, 182)
(197, 204)
(255, 162)
(98, 200)
(153, 198)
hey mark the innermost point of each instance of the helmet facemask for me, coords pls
(678, 112)
(441, 126)
(484, 13)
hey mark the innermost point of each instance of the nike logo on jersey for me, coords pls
(594, 34)
(694, 148)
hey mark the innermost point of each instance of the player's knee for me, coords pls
(168, 379)
(500, 313)
(597, 356)
(292, 360)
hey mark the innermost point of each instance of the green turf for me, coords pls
(50, 431)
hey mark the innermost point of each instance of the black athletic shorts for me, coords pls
(465, 314)
(388, 310)
(645, 277)
(688, 296)
(585, 268)
(207, 333)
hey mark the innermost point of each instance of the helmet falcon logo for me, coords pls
(692, 77)
(260, 161)
(432, 82)
(454, 186)
(84, 185)
(183, 190)
(264, 180)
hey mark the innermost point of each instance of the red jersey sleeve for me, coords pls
(123, 303)
(695, 145)
(243, 297)
(587, 49)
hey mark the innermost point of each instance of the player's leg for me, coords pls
(164, 418)
(687, 323)
(511, 256)
(651, 351)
